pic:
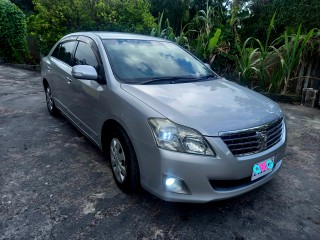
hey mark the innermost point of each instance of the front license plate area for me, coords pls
(262, 168)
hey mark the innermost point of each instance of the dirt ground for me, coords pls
(55, 184)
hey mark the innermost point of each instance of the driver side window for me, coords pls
(85, 56)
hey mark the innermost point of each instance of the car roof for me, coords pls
(115, 35)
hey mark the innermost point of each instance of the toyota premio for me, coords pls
(164, 119)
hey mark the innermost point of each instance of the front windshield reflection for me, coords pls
(135, 61)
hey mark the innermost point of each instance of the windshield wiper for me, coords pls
(170, 79)
(177, 79)
(207, 77)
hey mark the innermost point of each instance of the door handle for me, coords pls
(69, 80)
(49, 68)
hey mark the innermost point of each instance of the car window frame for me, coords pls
(75, 53)
(54, 49)
(72, 53)
(94, 47)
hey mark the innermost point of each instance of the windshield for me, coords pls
(137, 61)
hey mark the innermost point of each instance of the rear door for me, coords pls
(60, 73)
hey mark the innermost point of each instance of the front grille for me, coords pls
(253, 140)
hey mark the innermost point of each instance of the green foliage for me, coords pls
(290, 14)
(209, 34)
(206, 33)
(176, 11)
(214, 40)
(25, 5)
(247, 61)
(12, 32)
(211, 29)
(265, 51)
(274, 64)
(205, 40)
(158, 31)
(290, 54)
(167, 32)
(181, 12)
(56, 18)
(259, 64)
(207, 18)
(123, 16)
(206, 45)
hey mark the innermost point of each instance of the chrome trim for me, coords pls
(253, 129)
(263, 137)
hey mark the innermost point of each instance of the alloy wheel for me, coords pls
(118, 160)
(49, 99)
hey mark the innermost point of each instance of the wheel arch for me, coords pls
(45, 83)
(106, 133)
(106, 130)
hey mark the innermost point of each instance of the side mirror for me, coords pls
(84, 72)
(208, 65)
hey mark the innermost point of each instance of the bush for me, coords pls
(56, 18)
(290, 14)
(13, 44)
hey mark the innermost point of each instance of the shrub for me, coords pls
(13, 44)
(56, 18)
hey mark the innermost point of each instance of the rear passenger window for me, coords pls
(56, 51)
(65, 52)
(85, 56)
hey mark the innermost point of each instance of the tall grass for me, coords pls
(291, 55)
(206, 40)
(247, 62)
(166, 31)
(266, 51)
(273, 64)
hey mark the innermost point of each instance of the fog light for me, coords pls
(170, 181)
(174, 184)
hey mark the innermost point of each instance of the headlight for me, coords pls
(174, 137)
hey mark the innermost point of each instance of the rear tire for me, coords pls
(53, 110)
(123, 161)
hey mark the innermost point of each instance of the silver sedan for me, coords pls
(163, 118)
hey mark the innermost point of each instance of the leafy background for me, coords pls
(267, 45)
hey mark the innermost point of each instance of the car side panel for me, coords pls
(83, 106)
(132, 115)
(61, 72)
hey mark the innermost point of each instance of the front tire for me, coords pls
(124, 164)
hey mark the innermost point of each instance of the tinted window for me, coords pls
(134, 61)
(85, 56)
(65, 52)
(56, 51)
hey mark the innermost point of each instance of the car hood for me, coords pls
(208, 106)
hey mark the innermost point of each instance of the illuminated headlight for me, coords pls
(174, 137)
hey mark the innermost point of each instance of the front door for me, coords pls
(85, 93)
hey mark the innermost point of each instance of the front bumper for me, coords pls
(200, 173)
